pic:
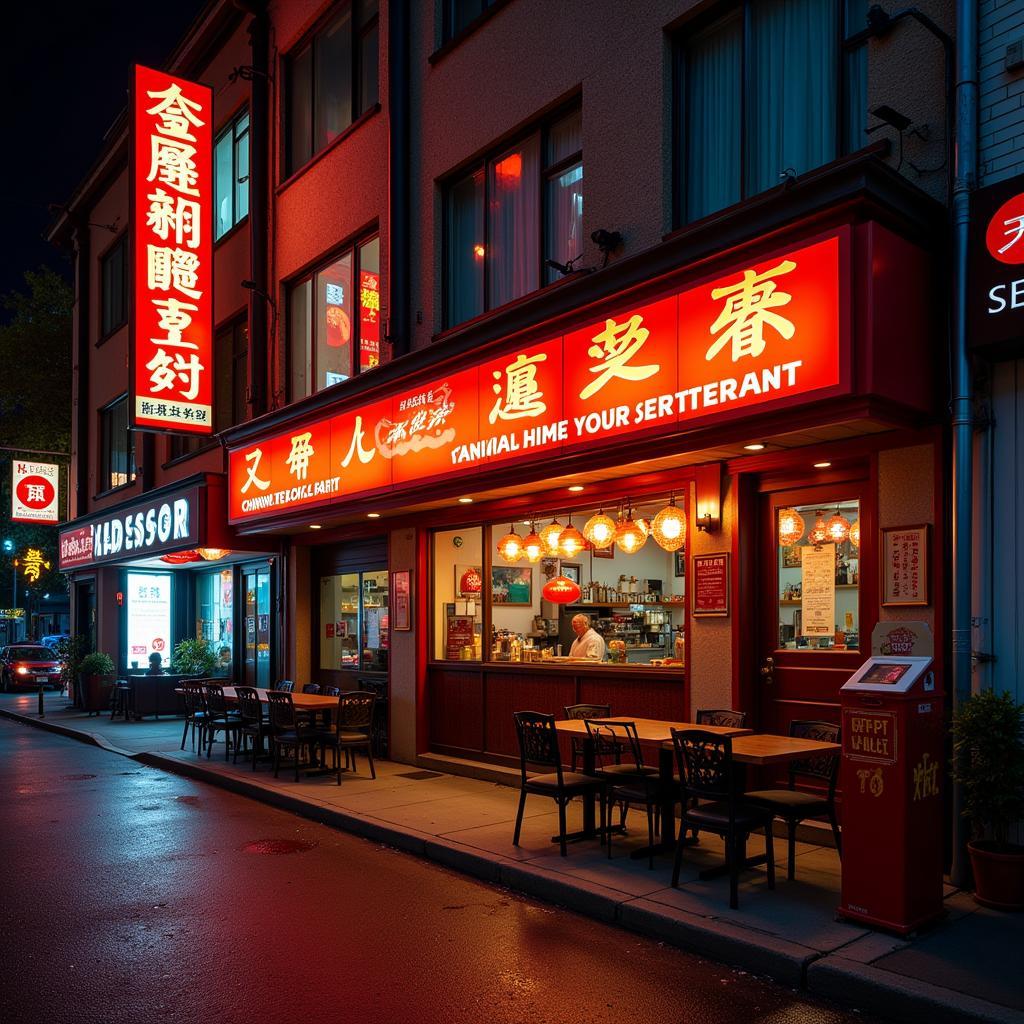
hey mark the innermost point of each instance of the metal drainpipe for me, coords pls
(83, 411)
(964, 181)
(398, 176)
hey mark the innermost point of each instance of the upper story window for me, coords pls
(334, 320)
(460, 14)
(512, 215)
(332, 81)
(117, 447)
(231, 175)
(114, 297)
(765, 90)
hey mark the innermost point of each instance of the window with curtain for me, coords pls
(114, 283)
(231, 175)
(764, 90)
(335, 327)
(117, 450)
(332, 80)
(508, 217)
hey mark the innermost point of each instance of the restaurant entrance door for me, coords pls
(817, 555)
(256, 646)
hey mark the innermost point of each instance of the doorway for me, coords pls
(85, 612)
(256, 643)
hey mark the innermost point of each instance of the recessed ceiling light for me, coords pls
(314, 526)
(465, 501)
(576, 487)
(822, 465)
(755, 447)
(373, 515)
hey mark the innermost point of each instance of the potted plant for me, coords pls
(194, 657)
(988, 738)
(95, 678)
(70, 650)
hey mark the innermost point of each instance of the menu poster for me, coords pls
(818, 600)
(711, 584)
(458, 634)
(401, 583)
(905, 566)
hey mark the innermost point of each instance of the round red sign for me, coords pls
(158, 644)
(1004, 236)
(561, 590)
(35, 492)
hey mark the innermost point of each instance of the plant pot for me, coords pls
(998, 875)
(96, 692)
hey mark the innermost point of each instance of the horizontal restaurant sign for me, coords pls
(149, 528)
(762, 332)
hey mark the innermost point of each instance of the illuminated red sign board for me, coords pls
(763, 332)
(172, 254)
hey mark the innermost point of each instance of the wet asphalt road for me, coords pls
(131, 895)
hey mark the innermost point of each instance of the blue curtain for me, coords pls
(791, 99)
(713, 82)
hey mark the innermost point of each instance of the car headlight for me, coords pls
(22, 671)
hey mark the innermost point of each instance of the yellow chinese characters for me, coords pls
(521, 395)
(33, 564)
(748, 309)
(615, 346)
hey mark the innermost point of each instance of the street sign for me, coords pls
(35, 492)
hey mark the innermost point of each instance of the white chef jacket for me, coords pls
(590, 645)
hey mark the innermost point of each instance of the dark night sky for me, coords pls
(65, 75)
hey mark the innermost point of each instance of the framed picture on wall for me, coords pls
(401, 583)
(549, 567)
(905, 576)
(571, 571)
(511, 584)
(680, 563)
(608, 552)
(791, 557)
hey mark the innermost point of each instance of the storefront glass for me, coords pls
(458, 594)
(147, 618)
(256, 648)
(819, 576)
(215, 615)
(354, 633)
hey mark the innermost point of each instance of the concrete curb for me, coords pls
(93, 738)
(900, 997)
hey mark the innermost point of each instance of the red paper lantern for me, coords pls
(471, 582)
(181, 557)
(561, 590)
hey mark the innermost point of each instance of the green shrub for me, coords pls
(96, 664)
(194, 656)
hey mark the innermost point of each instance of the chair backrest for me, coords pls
(215, 702)
(616, 733)
(355, 710)
(311, 688)
(194, 697)
(821, 766)
(538, 742)
(723, 717)
(580, 711)
(705, 764)
(280, 709)
(331, 691)
(285, 686)
(249, 706)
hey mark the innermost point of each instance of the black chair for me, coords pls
(121, 701)
(602, 748)
(195, 714)
(538, 745)
(353, 722)
(331, 691)
(252, 726)
(628, 783)
(219, 718)
(311, 688)
(793, 805)
(707, 773)
(285, 686)
(286, 731)
(379, 732)
(724, 717)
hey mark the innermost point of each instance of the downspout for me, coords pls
(964, 182)
(82, 347)
(398, 327)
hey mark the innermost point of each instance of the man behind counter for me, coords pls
(589, 643)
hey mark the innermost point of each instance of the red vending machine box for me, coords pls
(893, 764)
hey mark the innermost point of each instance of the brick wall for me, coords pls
(1001, 114)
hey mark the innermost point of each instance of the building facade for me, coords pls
(485, 267)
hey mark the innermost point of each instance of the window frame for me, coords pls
(541, 128)
(352, 247)
(231, 128)
(681, 112)
(360, 106)
(104, 470)
(119, 244)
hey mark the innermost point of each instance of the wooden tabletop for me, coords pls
(649, 730)
(300, 700)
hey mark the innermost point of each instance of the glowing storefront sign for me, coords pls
(172, 254)
(148, 617)
(762, 333)
(34, 492)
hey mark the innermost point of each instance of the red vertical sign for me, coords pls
(172, 254)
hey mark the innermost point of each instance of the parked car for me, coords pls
(28, 665)
(52, 639)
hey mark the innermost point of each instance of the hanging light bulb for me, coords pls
(837, 528)
(510, 547)
(643, 524)
(533, 545)
(855, 534)
(791, 526)
(570, 541)
(669, 527)
(550, 535)
(600, 530)
(628, 536)
(819, 531)
(213, 554)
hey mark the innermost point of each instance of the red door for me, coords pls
(818, 603)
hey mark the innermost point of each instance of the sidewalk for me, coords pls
(966, 969)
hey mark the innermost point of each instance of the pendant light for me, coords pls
(855, 534)
(600, 530)
(533, 545)
(791, 527)
(669, 527)
(837, 528)
(550, 535)
(213, 554)
(510, 547)
(570, 541)
(628, 537)
(643, 524)
(819, 531)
